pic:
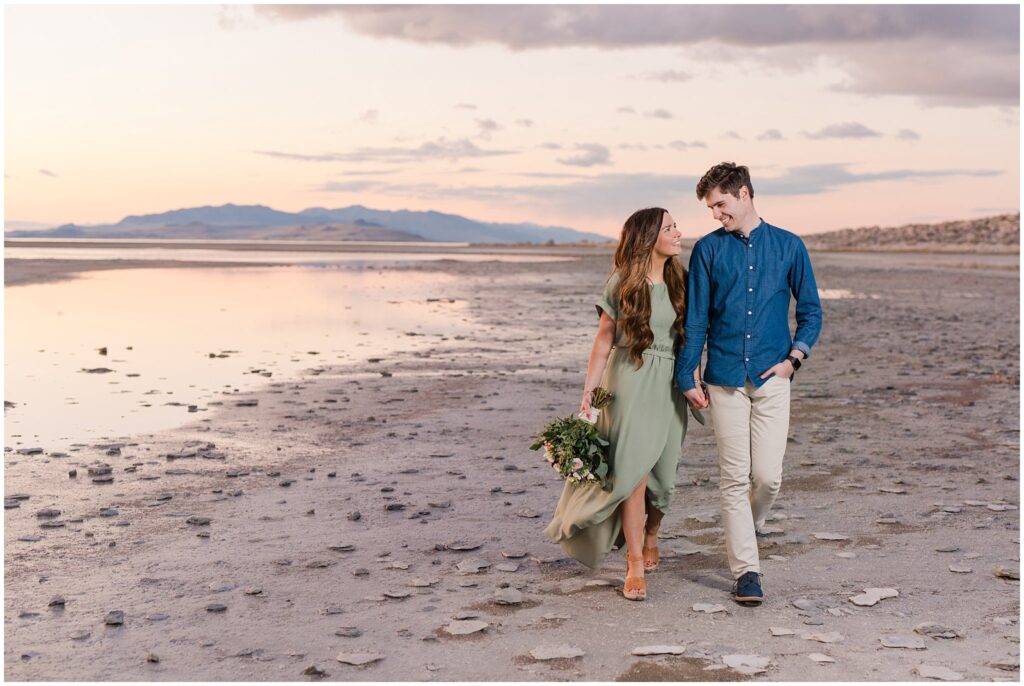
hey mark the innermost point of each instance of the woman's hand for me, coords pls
(588, 396)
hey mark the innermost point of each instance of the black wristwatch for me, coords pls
(795, 361)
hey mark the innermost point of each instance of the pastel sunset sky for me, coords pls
(571, 115)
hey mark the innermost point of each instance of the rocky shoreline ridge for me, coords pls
(998, 233)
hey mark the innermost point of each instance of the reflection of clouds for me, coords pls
(944, 54)
(441, 149)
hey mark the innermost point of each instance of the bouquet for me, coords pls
(575, 448)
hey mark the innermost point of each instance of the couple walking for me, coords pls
(655, 317)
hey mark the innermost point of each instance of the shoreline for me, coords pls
(444, 435)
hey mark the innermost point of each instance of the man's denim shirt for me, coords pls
(738, 298)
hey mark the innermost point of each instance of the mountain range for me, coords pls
(258, 222)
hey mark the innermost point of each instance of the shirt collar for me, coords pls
(751, 234)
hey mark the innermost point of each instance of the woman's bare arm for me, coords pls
(602, 348)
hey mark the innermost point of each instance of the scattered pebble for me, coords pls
(910, 642)
(358, 658)
(747, 664)
(871, 596)
(114, 618)
(708, 608)
(938, 672)
(781, 631)
(556, 652)
(821, 658)
(463, 627)
(938, 630)
(658, 650)
(830, 637)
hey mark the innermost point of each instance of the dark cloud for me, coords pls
(47, 172)
(626, 110)
(527, 123)
(849, 129)
(908, 135)
(487, 127)
(732, 135)
(771, 135)
(820, 178)
(962, 55)
(551, 146)
(683, 145)
(588, 155)
(441, 149)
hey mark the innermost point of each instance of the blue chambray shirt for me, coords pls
(738, 299)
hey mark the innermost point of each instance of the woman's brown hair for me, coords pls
(632, 263)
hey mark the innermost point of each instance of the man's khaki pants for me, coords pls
(751, 427)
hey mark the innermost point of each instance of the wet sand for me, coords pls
(904, 443)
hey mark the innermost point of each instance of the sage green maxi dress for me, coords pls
(645, 424)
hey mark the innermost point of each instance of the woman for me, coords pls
(642, 313)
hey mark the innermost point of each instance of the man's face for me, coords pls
(727, 208)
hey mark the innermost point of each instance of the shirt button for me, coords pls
(751, 267)
(748, 335)
(750, 290)
(747, 359)
(749, 312)
(750, 245)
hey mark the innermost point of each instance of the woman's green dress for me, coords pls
(645, 425)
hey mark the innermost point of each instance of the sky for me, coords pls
(567, 115)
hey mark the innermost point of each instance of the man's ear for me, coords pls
(744, 193)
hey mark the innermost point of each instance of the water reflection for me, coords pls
(178, 337)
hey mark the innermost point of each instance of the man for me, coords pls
(740, 281)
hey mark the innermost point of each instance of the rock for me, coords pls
(708, 608)
(348, 632)
(891, 489)
(195, 520)
(527, 513)
(658, 650)
(11, 503)
(342, 547)
(318, 564)
(821, 658)
(947, 549)
(152, 657)
(871, 596)
(473, 566)
(315, 671)
(354, 516)
(100, 470)
(57, 601)
(332, 610)
(51, 524)
(846, 556)
(1008, 572)
(439, 504)
(1010, 664)
(830, 637)
(48, 512)
(747, 664)
(780, 631)
(108, 512)
(507, 567)
(463, 545)
(937, 672)
(216, 607)
(114, 618)
(466, 614)
(396, 595)
(825, 536)
(222, 586)
(29, 451)
(358, 659)
(247, 403)
(80, 635)
(360, 571)
(157, 616)
(938, 630)
(463, 627)
(514, 554)
(422, 583)
(960, 569)
(556, 652)
(253, 590)
(1000, 507)
(30, 539)
(394, 507)
(895, 641)
(507, 596)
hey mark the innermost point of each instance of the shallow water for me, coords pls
(160, 327)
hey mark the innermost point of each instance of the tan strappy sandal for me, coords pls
(650, 553)
(635, 587)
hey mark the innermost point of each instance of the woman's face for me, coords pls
(669, 238)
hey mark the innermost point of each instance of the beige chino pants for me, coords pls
(751, 428)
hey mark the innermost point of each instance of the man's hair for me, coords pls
(728, 177)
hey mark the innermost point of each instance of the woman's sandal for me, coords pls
(650, 555)
(635, 587)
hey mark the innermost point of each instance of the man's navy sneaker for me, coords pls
(748, 589)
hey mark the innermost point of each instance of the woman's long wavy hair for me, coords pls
(633, 262)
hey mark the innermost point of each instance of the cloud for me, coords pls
(465, 106)
(683, 145)
(551, 146)
(626, 110)
(962, 55)
(369, 116)
(590, 154)
(47, 172)
(820, 178)
(908, 135)
(771, 135)
(668, 76)
(354, 186)
(527, 123)
(658, 114)
(845, 130)
(487, 127)
(441, 149)
(732, 135)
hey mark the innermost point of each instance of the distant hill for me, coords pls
(258, 222)
(999, 233)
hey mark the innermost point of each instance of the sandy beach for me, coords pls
(382, 521)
